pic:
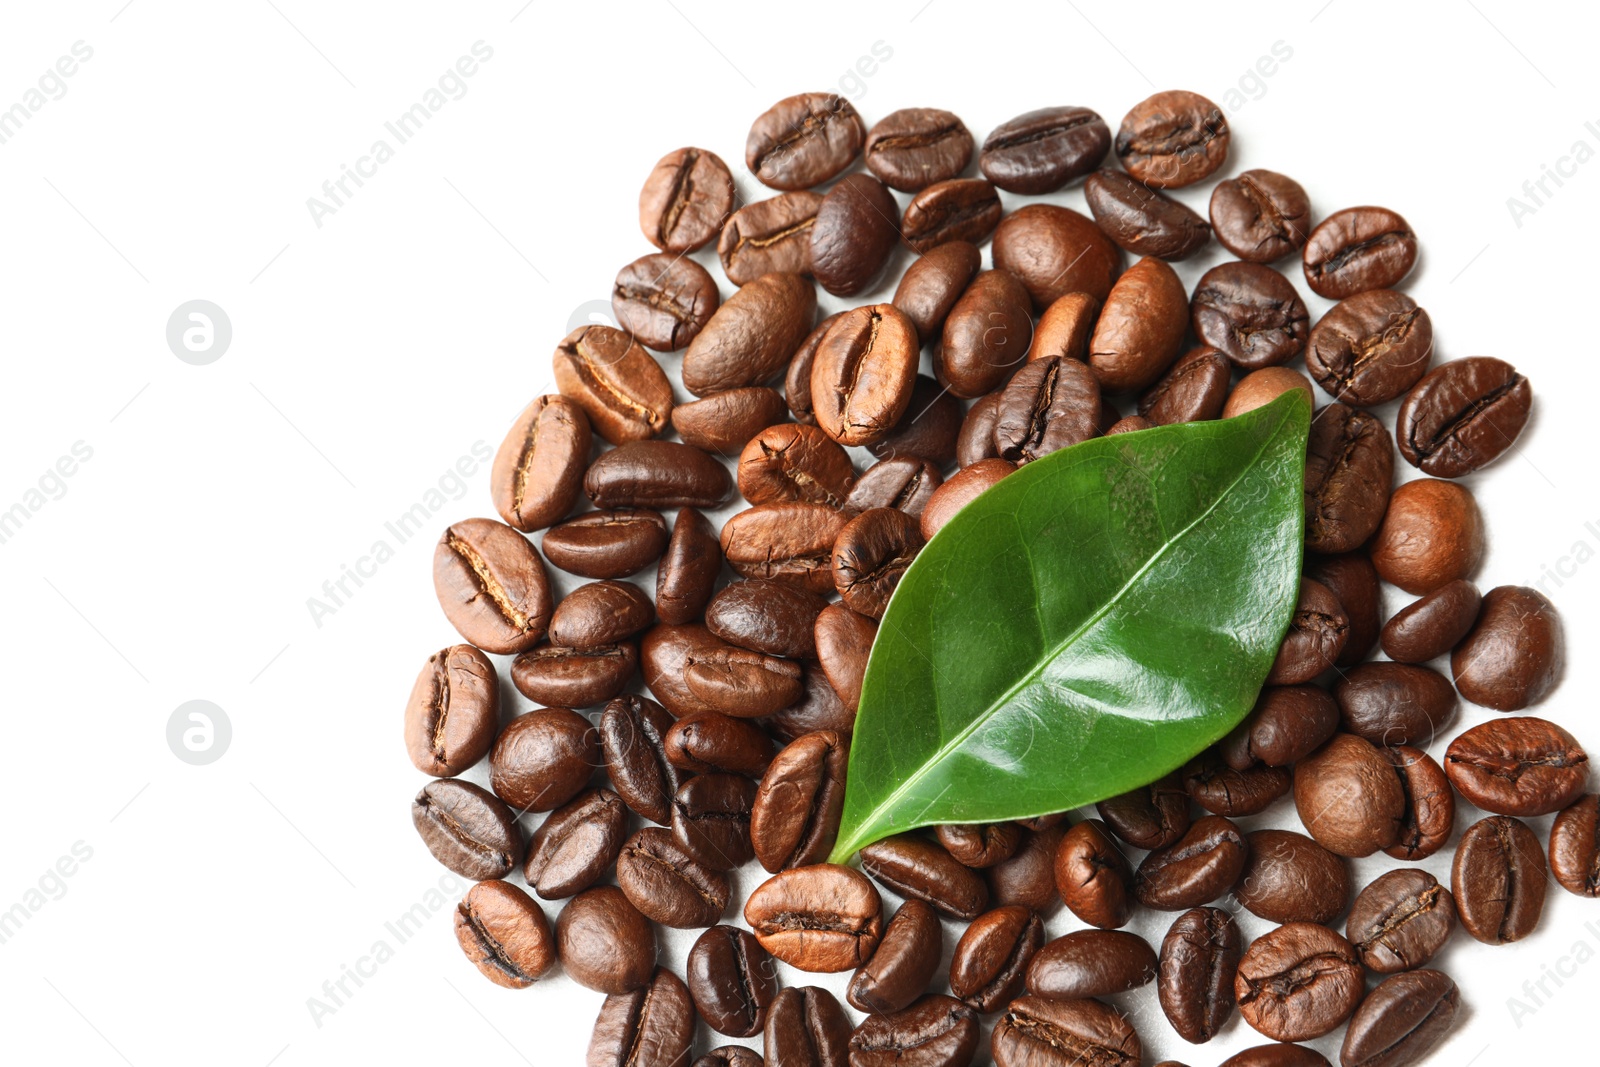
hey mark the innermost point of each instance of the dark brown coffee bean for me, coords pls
(937, 1031)
(1054, 251)
(975, 442)
(823, 918)
(914, 147)
(576, 845)
(688, 570)
(1093, 876)
(1349, 798)
(649, 1026)
(1514, 654)
(1027, 878)
(979, 845)
(1251, 314)
(789, 541)
(1430, 811)
(1575, 847)
(1349, 472)
(986, 335)
(1173, 139)
(632, 733)
(806, 1027)
(492, 585)
(1261, 387)
(1288, 723)
(769, 235)
(1141, 327)
(992, 957)
(1200, 866)
(964, 209)
(1049, 405)
(1091, 963)
(862, 376)
(1354, 581)
(574, 678)
(928, 429)
(1498, 880)
(667, 884)
(768, 616)
(731, 1056)
(711, 819)
(1395, 703)
(1199, 961)
(1518, 765)
(732, 980)
(543, 759)
(871, 554)
(1065, 328)
(607, 544)
(711, 742)
(1141, 219)
(467, 828)
(505, 935)
(1150, 817)
(1358, 249)
(794, 818)
(667, 653)
(724, 422)
(1291, 878)
(1431, 535)
(1222, 790)
(934, 282)
(538, 469)
(604, 943)
(1401, 920)
(920, 869)
(1044, 1032)
(453, 711)
(1261, 215)
(1371, 347)
(960, 490)
(803, 141)
(844, 641)
(1401, 1021)
(685, 200)
(752, 335)
(664, 300)
(600, 613)
(1432, 625)
(1298, 982)
(615, 381)
(856, 229)
(1276, 1055)
(1040, 151)
(1463, 415)
(904, 483)
(903, 964)
(790, 461)
(1193, 389)
(797, 379)
(819, 708)
(1317, 633)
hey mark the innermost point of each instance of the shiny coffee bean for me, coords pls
(632, 736)
(1065, 327)
(937, 1031)
(1291, 878)
(819, 708)
(920, 869)
(1514, 654)
(928, 429)
(604, 943)
(1432, 625)
(1401, 920)
(504, 934)
(685, 200)
(1371, 347)
(1223, 790)
(903, 964)
(1140, 329)
(467, 828)
(871, 554)
(615, 381)
(804, 140)
(1200, 866)
(1027, 877)
(806, 1027)
(1519, 765)
(990, 960)
(986, 335)
(963, 209)
(769, 235)
(844, 641)
(692, 672)
(1040, 151)
(823, 918)
(1173, 139)
(863, 373)
(1298, 982)
(1093, 876)
(1199, 961)
(667, 884)
(492, 585)
(1395, 703)
(1430, 806)
(904, 483)
(731, 1056)
(1276, 1055)
(1349, 798)
(714, 743)
(789, 541)
(664, 300)
(1054, 251)
(934, 282)
(1354, 581)
(543, 759)
(1262, 387)
(1317, 633)
(1498, 880)
(607, 544)
(975, 442)
(1193, 389)
(768, 616)
(979, 845)
(1401, 1021)
(853, 235)
(914, 147)
(1044, 1032)
(960, 490)
(1575, 847)
(1150, 817)
(688, 568)
(1358, 249)
(1261, 215)
(723, 422)
(790, 461)
(453, 711)
(1142, 219)
(1049, 405)
(1091, 963)
(574, 678)
(797, 379)
(1251, 314)
(752, 335)
(1462, 416)
(1288, 723)
(576, 845)
(794, 815)
(711, 819)
(1349, 473)
(600, 613)
(538, 469)
(650, 1025)
(732, 980)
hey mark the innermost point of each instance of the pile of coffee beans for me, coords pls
(739, 752)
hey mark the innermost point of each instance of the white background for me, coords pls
(372, 352)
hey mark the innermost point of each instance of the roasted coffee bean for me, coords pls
(870, 556)
(920, 869)
(1354, 580)
(819, 708)
(1054, 251)
(979, 845)
(1349, 798)
(1298, 982)
(492, 585)
(604, 943)
(1172, 139)
(1430, 811)
(1514, 654)
(1575, 847)
(914, 147)
(1048, 821)
(632, 735)
(688, 569)
(1261, 215)
(937, 1031)
(934, 282)
(1200, 866)
(1091, 963)
(1291, 878)
(1027, 877)
(1044, 1032)
(1498, 880)
(664, 300)
(1371, 347)
(752, 335)
(1276, 1055)
(669, 885)
(1401, 1021)
(790, 461)
(1288, 722)
(899, 971)
(766, 616)
(1349, 472)
(990, 960)
(453, 711)
(732, 980)
(853, 235)
(1518, 765)
(797, 379)
(538, 469)
(653, 1025)
(769, 235)
(1401, 920)
(1432, 625)
(975, 442)
(1093, 876)
(712, 742)
(1222, 790)
(657, 474)
(1317, 633)
(1198, 964)
(1050, 404)
(615, 381)
(803, 141)
(862, 376)
(1065, 327)
(790, 541)
(794, 816)
(685, 200)
(1395, 703)
(1150, 817)
(543, 759)
(731, 1056)
(1251, 314)
(1262, 387)
(844, 641)
(600, 613)
(723, 422)
(963, 209)
(1192, 390)
(1142, 219)
(574, 678)
(806, 1027)
(711, 819)
(822, 918)
(986, 335)
(576, 845)
(1141, 327)
(607, 544)
(928, 429)
(505, 935)
(467, 828)
(959, 491)
(1040, 151)
(1358, 249)
(1462, 416)
(904, 483)
(692, 671)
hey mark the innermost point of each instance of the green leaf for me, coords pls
(1088, 624)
